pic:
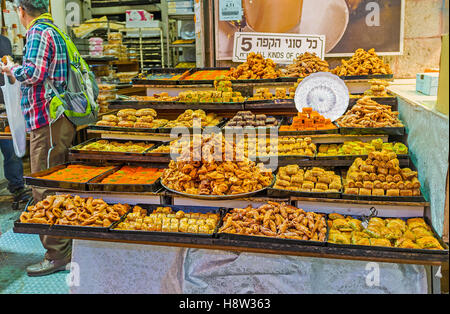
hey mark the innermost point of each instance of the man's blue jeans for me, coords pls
(12, 166)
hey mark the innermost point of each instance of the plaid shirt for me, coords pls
(45, 57)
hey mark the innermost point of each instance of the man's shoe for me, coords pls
(47, 267)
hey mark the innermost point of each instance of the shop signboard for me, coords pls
(281, 48)
(346, 24)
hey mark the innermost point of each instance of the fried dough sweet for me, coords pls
(305, 64)
(74, 211)
(413, 233)
(256, 67)
(278, 220)
(362, 63)
(380, 175)
(212, 166)
(165, 219)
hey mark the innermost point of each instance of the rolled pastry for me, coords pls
(363, 191)
(393, 192)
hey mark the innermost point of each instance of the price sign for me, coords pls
(230, 10)
(281, 48)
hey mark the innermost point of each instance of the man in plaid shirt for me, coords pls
(45, 59)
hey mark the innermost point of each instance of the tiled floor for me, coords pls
(17, 251)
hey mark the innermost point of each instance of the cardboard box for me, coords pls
(139, 19)
(427, 83)
(180, 4)
(181, 11)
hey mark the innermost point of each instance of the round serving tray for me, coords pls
(219, 197)
(325, 93)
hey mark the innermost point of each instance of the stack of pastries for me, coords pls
(282, 146)
(213, 167)
(381, 175)
(132, 118)
(315, 180)
(164, 219)
(190, 118)
(390, 232)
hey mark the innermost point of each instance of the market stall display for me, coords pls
(412, 233)
(276, 220)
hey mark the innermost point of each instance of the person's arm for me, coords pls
(38, 53)
(7, 51)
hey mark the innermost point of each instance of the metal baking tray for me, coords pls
(77, 149)
(97, 186)
(394, 131)
(34, 179)
(47, 228)
(270, 104)
(256, 81)
(307, 132)
(367, 77)
(267, 239)
(187, 209)
(121, 129)
(353, 157)
(31, 226)
(258, 129)
(418, 199)
(281, 158)
(176, 105)
(394, 249)
(218, 197)
(390, 101)
(145, 81)
(184, 81)
(191, 129)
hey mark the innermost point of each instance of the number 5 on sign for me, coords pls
(281, 48)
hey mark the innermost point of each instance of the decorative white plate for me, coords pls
(325, 93)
